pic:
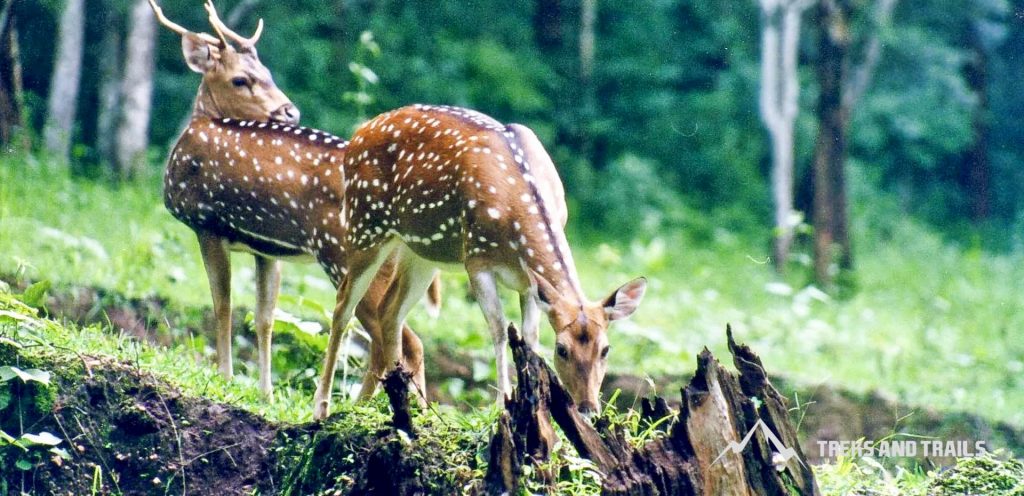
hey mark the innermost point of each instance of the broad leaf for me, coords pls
(35, 295)
(43, 438)
(8, 372)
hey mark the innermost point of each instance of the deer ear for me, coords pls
(200, 56)
(623, 301)
(546, 293)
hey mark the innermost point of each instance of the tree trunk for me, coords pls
(830, 149)
(547, 25)
(721, 441)
(842, 85)
(979, 170)
(136, 91)
(67, 71)
(109, 87)
(588, 102)
(780, 91)
(11, 112)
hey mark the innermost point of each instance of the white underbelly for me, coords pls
(304, 258)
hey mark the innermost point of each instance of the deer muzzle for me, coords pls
(287, 113)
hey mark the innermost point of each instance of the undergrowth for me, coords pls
(929, 322)
(454, 441)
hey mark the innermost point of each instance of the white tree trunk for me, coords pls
(110, 90)
(779, 99)
(588, 18)
(67, 71)
(136, 90)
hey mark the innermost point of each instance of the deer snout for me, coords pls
(287, 113)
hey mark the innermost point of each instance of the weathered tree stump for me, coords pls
(732, 435)
(524, 431)
(396, 386)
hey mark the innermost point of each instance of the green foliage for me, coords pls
(25, 393)
(987, 474)
(930, 322)
(865, 476)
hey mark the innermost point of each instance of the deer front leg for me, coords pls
(531, 318)
(217, 261)
(268, 283)
(485, 289)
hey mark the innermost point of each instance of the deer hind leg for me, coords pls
(412, 353)
(412, 358)
(217, 261)
(268, 282)
(411, 280)
(369, 314)
(485, 289)
(362, 267)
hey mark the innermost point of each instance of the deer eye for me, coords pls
(239, 82)
(562, 351)
(604, 352)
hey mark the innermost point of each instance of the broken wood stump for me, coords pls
(732, 435)
(396, 386)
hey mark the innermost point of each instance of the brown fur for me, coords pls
(224, 181)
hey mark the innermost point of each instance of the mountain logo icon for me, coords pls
(782, 453)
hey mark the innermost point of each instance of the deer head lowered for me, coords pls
(443, 186)
(244, 177)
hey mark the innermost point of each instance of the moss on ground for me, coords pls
(988, 475)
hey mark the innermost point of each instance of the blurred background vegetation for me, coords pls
(906, 194)
(661, 113)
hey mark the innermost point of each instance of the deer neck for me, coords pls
(205, 104)
(542, 245)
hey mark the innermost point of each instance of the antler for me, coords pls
(222, 29)
(173, 26)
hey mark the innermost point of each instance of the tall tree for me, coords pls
(109, 86)
(136, 90)
(11, 113)
(67, 71)
(587, 48)
(842, 83)
(548, 31)
(978, 166)
(780, 92)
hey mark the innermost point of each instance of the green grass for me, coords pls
(463, 436)
(929, 322)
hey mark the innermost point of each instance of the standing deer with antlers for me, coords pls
(442, 186)
(246, 178)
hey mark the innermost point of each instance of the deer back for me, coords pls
(455, 184)
(270, 187)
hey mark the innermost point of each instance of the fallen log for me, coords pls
(732, 435)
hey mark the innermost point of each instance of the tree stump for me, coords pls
(396, 386)
(732, 435)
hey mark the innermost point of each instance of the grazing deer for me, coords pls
(443, 186)
(246, 178)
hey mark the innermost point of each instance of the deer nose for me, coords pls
(287, 113)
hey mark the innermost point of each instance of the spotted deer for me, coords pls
(441, 186)
(245, 177)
